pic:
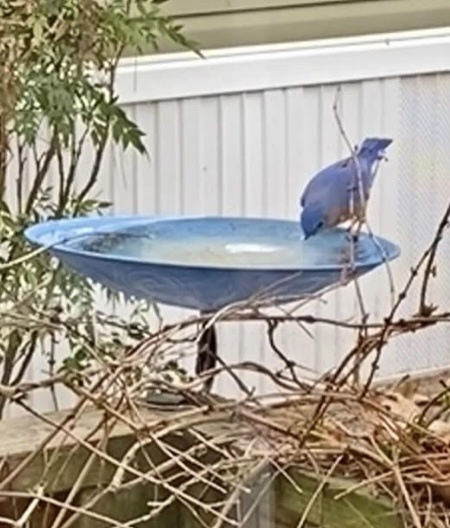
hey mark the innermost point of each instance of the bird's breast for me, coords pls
(336, 216)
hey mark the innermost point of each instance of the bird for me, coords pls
(327, 198)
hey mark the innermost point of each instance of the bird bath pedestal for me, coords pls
(207, 263)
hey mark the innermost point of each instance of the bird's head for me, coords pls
(373, 148)
(312, 219)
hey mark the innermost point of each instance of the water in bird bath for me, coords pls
(209, 252)
(225, 242)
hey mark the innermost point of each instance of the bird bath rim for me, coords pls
(40, 233)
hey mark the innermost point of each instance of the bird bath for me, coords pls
(206, 263)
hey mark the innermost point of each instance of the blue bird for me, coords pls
(326, 200)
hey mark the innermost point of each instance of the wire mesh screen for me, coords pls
(423, 164)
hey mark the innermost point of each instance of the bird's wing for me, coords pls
(333, 179)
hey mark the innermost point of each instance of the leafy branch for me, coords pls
(58, 62)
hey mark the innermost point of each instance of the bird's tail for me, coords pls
(374, 146)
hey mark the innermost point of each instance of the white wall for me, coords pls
(241, 132)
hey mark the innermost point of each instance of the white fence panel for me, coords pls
(241, 132)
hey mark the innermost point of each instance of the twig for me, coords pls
(62, 505)
(234, 496)
(428, 257)
(317, 492)
(431, 253)
(26, 515)
(354, 215)
(290, 365)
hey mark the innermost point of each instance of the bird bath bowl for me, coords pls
(207, 263)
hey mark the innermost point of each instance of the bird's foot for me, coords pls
(354, 229)
(352, 237)
(348, 270)
(349, 257)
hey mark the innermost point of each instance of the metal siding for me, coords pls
(423, 173)
(251, 154)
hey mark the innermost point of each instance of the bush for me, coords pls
(58, 60)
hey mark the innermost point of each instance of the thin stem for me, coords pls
(42, 172)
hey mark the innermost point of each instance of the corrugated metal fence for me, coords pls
(241, 132)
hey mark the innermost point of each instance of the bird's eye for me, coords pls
(320, 224)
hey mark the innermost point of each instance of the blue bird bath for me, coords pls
(206, 263)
